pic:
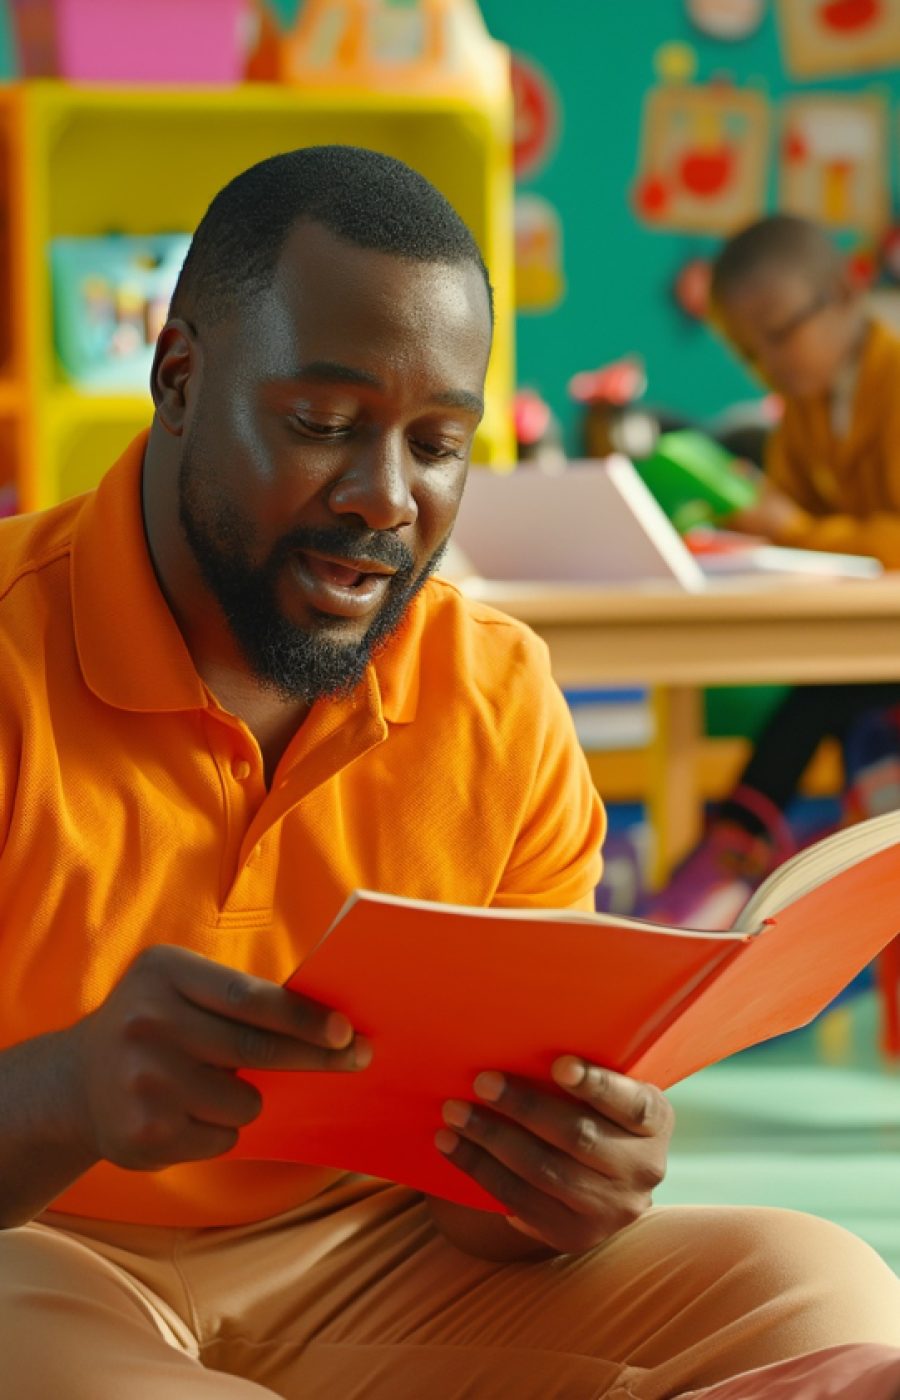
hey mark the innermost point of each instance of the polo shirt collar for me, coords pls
(131, 650)
(397, 668)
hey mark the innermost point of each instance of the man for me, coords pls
(231, 691)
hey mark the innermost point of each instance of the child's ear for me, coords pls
(714, 318)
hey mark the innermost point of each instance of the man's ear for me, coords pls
(176, 363)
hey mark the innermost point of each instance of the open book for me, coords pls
(445, 991)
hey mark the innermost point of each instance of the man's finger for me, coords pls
(241, 997)
(203, 1038)
(553, 1173)
(575, 1129)
(550, 1217)
(639, 1108)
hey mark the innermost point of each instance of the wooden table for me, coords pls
(754, 631)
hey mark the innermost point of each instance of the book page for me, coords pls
(534, 914)
(801, 959)
(817, 864)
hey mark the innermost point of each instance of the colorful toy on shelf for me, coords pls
(163, 152)
(423, 46)
(696, 480)
(614, 421)
(135, 41)
(264, 48)
(110, 300)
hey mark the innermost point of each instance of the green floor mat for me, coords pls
(781, 1125)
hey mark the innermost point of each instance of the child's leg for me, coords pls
(806, 716)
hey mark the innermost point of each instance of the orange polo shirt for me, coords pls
(134, 811)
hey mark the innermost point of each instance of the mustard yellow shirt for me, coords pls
(848, 486)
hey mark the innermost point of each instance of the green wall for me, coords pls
(600, 54)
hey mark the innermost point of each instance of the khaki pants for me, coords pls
(356, 1295)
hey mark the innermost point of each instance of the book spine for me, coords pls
(670, 1011)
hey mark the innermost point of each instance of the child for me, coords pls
(784, 300)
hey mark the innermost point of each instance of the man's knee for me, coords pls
(46, 1275)
(769, 1252)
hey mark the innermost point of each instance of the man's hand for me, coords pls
(570, 1171)
(151, 1072)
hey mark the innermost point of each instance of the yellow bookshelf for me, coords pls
(79, 160)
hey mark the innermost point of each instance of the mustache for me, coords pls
(354, 545)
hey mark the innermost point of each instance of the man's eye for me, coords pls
(321, 427)
(439, 451)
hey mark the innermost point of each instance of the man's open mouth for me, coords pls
(342, 573)
(349, 588)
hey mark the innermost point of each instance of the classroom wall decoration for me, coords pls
(726, 19)
(536, 116)
(703, 157)
(540, 282)
(623, 252)
(831, 37)
(834, 160)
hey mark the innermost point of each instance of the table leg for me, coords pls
(674, 802)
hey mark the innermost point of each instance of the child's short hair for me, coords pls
(779, 242)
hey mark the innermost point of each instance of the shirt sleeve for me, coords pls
(555, 859)
(876, 534)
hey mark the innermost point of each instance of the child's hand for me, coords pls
(774, 515)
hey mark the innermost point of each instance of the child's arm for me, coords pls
(784, 516)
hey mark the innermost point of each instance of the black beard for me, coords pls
(295, 663)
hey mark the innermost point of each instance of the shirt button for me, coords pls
(240, 770)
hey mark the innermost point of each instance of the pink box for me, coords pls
(133, 41)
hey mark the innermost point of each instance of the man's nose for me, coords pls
(376, 485)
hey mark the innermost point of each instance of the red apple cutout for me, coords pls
(847, 16)
(707, 173)
(796, 150)
(652, 197)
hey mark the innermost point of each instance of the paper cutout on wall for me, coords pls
(540, 281)
(675, 62)
(703, 158)
(726, 19)
(834, 165)
(536, 120)
(820, 37)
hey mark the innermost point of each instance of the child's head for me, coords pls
(783, 297)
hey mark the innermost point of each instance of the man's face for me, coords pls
(326, 451)
(794, 334)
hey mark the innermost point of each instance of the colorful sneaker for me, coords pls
(710, 888)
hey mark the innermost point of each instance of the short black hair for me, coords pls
(779, 242)
(370, 199)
